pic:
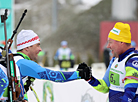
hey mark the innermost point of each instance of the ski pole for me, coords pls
(15, 31)
(34, 93)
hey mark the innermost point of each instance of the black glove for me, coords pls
(28, 83)
(84, 71)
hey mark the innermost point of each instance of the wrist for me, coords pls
(88, 80)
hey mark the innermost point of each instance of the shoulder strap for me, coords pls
(18, 55)
(29, 79)
(136, 54)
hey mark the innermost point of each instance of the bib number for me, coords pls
(114, 78)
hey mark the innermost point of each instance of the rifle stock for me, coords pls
(16, 90)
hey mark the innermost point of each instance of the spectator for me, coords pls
(64, 56)
(106, 55)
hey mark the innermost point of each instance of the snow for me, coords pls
(91, 2)
(86, 4)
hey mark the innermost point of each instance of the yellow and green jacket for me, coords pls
(120, 79)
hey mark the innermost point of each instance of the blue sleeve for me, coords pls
(130, 90)
(132, 85)
(3, 82)
(106, 76)
(32, 69)
(94, 82)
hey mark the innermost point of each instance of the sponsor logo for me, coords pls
(129, 100)
(116, 71)
(135, 74)
(119, 87)
(115, 31)
(48, 95)
(135, 63)
(116, 65)
(87, 98)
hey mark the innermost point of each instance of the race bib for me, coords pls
(114, 78)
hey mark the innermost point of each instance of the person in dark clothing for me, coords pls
(106, 55)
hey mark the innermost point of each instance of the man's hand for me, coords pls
(84, 71)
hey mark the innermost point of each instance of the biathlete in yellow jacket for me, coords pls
(121, 77)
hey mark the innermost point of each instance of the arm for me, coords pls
(85, 73)
(32, 69)
(100, 85)
(72, 57)
(3, 80)
(104, 84)
(106, 75)
(70, 52)
(131, 82)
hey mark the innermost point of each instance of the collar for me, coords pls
(126, 53)
(24, 55)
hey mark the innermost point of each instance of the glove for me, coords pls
(84, 71)
(28, 83)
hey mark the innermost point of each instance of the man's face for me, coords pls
(115, 47)
(33, 51)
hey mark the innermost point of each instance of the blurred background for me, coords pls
(84, 24)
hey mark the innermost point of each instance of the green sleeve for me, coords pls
(102, 87)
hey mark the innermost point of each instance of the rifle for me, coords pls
(13, 89)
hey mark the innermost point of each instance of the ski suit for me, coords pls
(63, 54)
(65, 57)
(120, 70)
(30, 68)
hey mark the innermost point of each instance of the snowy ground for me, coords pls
(74, 91)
